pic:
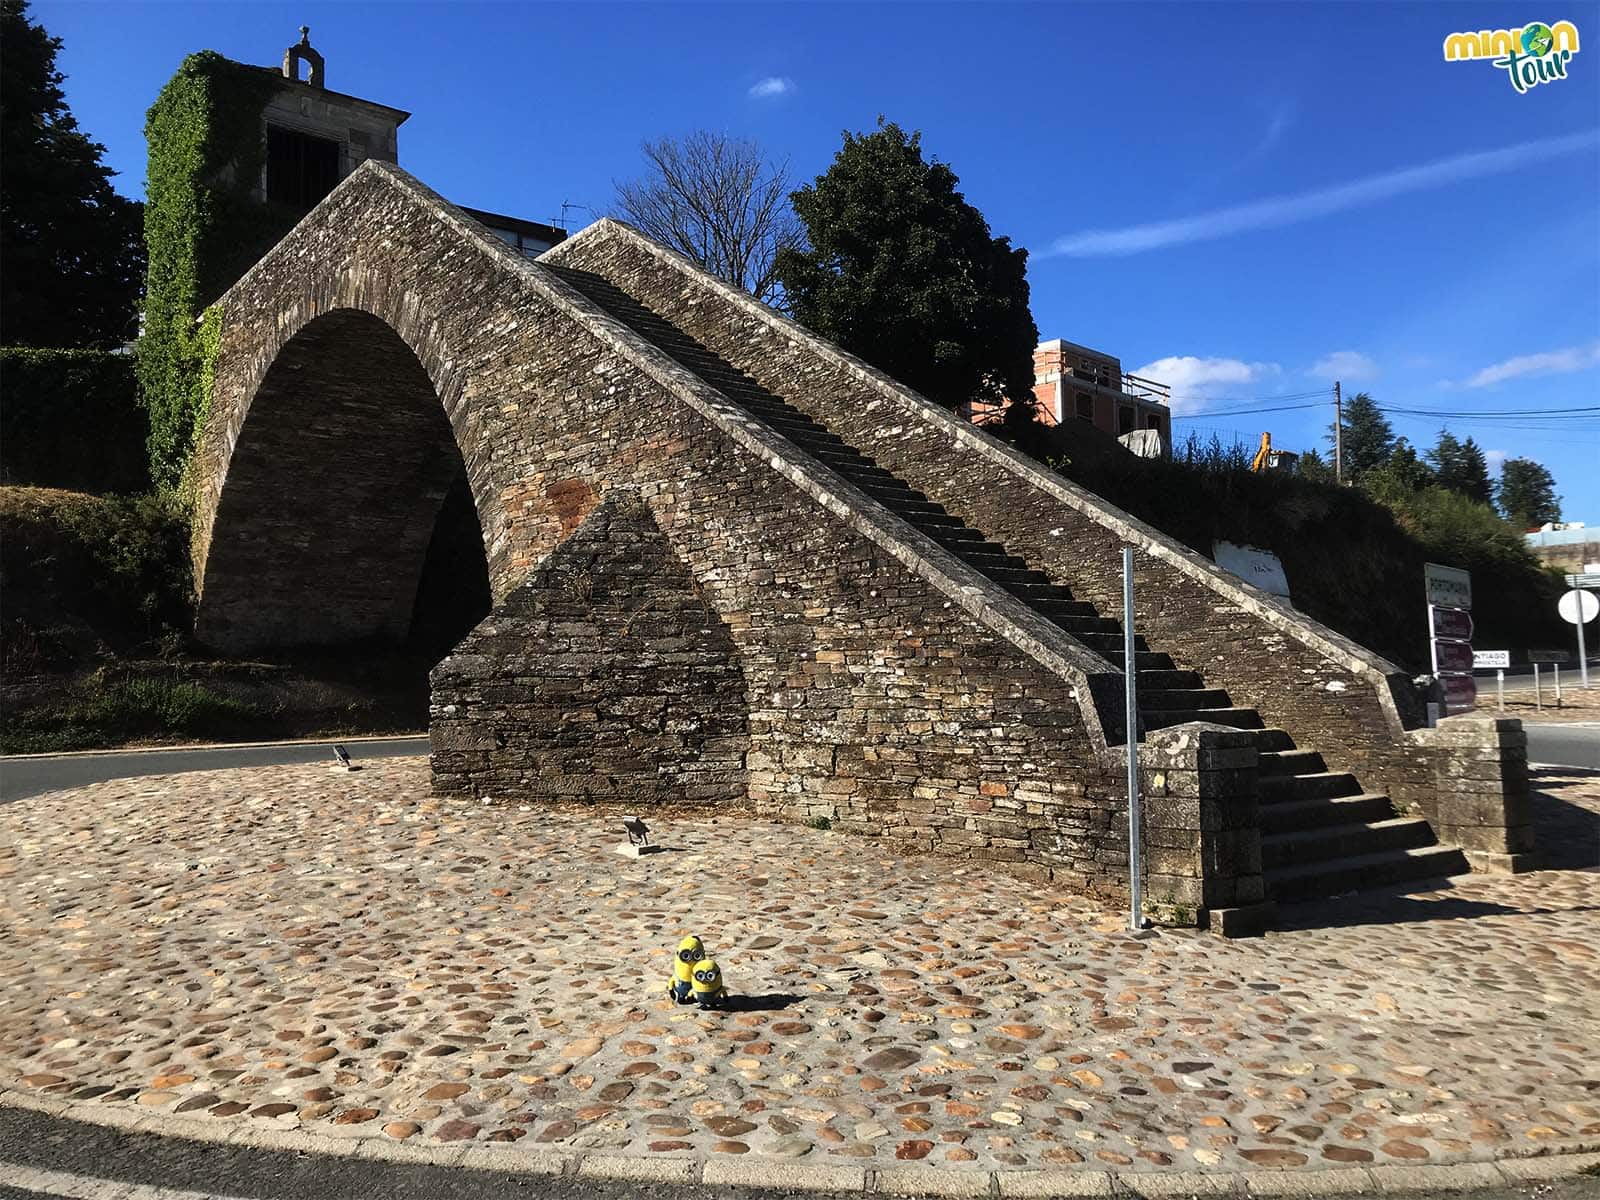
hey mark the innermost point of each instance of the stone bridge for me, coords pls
(730, 564)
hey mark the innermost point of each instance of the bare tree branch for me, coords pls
(717, 200)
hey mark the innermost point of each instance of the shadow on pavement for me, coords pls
(1395, 906)
(1568, 833)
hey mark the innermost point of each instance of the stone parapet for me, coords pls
(1202, 835)
(1479, 799)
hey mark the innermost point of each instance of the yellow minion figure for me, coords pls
(708, 989)
(681, 986)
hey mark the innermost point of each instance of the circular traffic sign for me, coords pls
(1578, 607)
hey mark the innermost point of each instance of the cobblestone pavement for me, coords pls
(299, 947)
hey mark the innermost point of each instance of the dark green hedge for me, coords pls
(115, 565)
(71, 419)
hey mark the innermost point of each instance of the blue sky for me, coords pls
(1247, 201)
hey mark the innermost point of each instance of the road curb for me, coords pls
(185, 747)
(910, 1179)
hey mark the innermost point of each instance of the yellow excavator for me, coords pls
(1263, 455)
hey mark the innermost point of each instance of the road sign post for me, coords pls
(1498, 660)
(1580, 607)
(1449, 595)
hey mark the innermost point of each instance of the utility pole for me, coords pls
(1338, 434)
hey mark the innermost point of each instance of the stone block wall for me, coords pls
(1479, 799)
(1202, 837)
(606, 675)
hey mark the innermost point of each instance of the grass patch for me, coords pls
(99, 714)
(818, 823)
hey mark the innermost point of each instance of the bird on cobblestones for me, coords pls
(638, 831)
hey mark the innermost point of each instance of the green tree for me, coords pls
(902, 271)
(1400, 477)
(1528, 493)
(1313, 466)
(1368, 437)
(1462, 468)
(71, 246)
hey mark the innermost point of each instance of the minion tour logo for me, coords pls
(1534, 54)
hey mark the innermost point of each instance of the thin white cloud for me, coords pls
(1496, 460)
(771, 87)
(1279, 211)
(1282, 118)
(1197, 382)
(1546, 362)
(1344, 365)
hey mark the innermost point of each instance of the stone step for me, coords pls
(1274, 741)
(1318, 785)
(1109, 646)
(984, 557)
(1056, 609)
(1331, 844)
(1291, 762)
(1197, 697)
(1043, 592)
(1319, 880)
(956, 535)
(927, 521)
(1239, 718)
(1154, 680)
(1080, 627)
(1310, 814)
(912, 508)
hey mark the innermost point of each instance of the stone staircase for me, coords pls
(1321, 834)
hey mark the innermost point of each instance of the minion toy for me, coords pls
(708, 989)
(681, 986)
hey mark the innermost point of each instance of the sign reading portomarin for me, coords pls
(1449, 593)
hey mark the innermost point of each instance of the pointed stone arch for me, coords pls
(338, 474)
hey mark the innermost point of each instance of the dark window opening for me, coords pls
(1085, 407)
(1152, 421)
(301, 169)
(1124, 420)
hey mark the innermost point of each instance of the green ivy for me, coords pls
(203, 228)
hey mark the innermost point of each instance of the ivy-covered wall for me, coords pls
(203, 229)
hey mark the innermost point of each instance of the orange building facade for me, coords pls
(1074, 383)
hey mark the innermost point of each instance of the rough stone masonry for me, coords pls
(793, 646)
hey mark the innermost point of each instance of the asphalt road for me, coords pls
(1571, 745)
(31, 1141)
(83, 1160)
(21, 777)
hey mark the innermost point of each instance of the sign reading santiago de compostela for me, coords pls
(1534, 54)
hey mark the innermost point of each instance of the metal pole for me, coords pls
(1500, 688)
(1338, 434)
(1583, 656)
(1130, 675)
(1556, 671)
(1538, 695)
